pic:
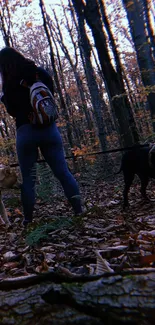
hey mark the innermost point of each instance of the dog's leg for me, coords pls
(128, 179)
(3, 212)
(144, 182)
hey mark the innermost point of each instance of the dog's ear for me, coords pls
(2, 173)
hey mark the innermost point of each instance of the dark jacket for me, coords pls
(16, 97)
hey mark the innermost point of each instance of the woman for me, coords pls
(13, 68)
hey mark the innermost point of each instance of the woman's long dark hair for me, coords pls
(13, 66)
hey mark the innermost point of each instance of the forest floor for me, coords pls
(57, 240)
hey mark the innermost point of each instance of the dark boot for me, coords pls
(76, 204)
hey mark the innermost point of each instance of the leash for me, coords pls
(94, 153)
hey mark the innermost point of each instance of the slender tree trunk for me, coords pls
(121, 107)
(135, 14)
(65, 50)
(5, 22)
(66, 95)
(110, 36)
(63, 105)
(85, 48)
(151, 32)
(118, 64)
(76, 73)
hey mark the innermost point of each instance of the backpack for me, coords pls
(44, 108)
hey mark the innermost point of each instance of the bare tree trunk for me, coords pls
(97, 102)
(151, 33)
(121, 107)
(63, 105)
(63, 85)
(79, 136)
(73, 65)
(112, 41)
(135, 13)
(5, 22)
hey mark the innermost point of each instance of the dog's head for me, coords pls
(152, 156)
(7, 177)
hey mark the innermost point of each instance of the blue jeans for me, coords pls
(48, 139)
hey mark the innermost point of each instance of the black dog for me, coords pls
(140, 161)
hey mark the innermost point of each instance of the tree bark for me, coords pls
(135, 14)
(73, 65)
(127, 298)
(151, 35)
(85, 52)
(59, 90)
(79, 136)
(121, 106)
(5, 22)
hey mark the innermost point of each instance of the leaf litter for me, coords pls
(103, 239)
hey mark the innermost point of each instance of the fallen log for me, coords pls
(126, 298)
